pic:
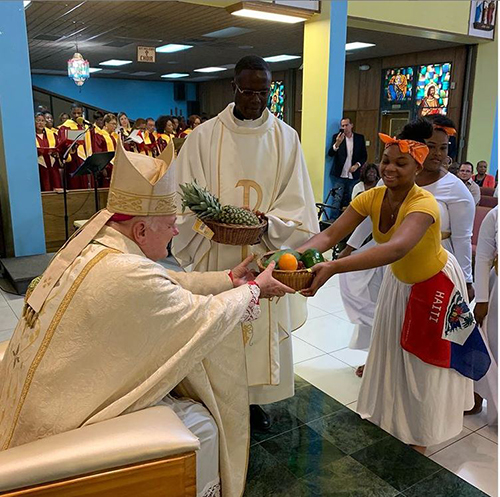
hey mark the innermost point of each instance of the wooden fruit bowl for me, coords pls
(236, 234)
(299, 279)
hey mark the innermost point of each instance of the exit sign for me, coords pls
(146, 54)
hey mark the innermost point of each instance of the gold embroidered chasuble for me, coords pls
(116, 334)
(256, 164)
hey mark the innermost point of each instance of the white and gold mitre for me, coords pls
(143, 185)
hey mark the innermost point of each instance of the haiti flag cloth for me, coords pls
(440, 329)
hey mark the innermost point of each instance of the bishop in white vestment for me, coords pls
(108, 331)
(249, 158)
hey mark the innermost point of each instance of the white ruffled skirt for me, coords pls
(416, 402)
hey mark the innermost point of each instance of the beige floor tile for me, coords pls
(327, 333)
(302, 351)
(475, 459)
(332, 376)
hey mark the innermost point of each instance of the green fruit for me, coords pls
(311, 257)
(276, 256)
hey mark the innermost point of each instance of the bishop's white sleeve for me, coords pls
(461, 210)
(486, 252)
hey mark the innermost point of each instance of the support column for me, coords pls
(20, 197)
(323, 89)
(484, 99)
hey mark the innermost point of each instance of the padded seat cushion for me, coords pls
(152, 433)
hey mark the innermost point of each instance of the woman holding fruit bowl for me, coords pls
(403, 390)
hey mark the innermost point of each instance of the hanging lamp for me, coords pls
(78, 67)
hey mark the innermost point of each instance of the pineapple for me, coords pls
(207, 206)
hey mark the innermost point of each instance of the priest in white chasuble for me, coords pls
(249, 158)
(107, 331)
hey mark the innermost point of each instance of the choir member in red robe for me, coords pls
(105, 141)
(48, 157)
(79, 152)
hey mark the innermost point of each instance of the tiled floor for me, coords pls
(318, 446)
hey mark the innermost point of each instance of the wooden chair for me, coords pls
(487, 192)
(487, 201)
(148, 453)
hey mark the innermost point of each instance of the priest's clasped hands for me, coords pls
(269, 287)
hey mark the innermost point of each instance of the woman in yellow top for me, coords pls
(418, 403)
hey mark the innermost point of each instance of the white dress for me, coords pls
(486, 284)
(359, 290)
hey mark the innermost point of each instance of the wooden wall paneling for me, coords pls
(458, 77)
(351, 86)
(80, 206)
(370, 85)
(172, 477)
(436, 56)
(400, 60)
(215, 96)
(367, 125)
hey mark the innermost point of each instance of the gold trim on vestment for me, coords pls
(63, 306)
(145, 205)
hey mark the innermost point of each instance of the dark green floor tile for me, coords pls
(302, 450)
(300, 382)
(347, 430)
(282, 420)
(347, 478)
(265, 474)
(396, 463)
(310, 403)
(444, 484)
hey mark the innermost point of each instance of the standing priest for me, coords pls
(249, 158)
(108, 331)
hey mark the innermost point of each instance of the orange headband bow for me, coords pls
(417, 150)
(448, 131)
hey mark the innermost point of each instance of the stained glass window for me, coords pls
(398, 84)
(433, 89)
(276, 102)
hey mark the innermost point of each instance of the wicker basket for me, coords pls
(298, 280)
(236, 234)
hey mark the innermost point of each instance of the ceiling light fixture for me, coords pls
(115, 62)
(175, 75)
(172, 47)
(78, 67)
(269, 12)
(211, 69)
(281, 58)
(357, 45)
(94, 69)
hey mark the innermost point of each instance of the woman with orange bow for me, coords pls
(360, 289)
(408, 390)
(48, 157)
(105, 141)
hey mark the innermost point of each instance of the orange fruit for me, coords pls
(288, 262)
